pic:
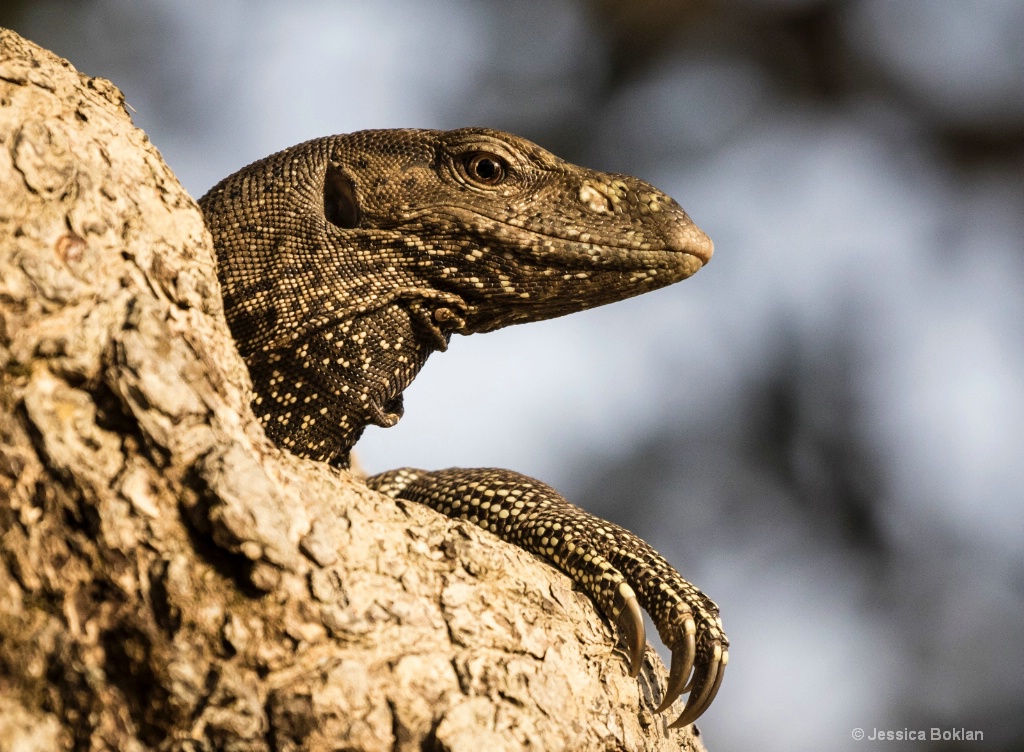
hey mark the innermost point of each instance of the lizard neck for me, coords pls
(350, 375)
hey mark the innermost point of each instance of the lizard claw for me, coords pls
(631, 624)
(682, 664)
(705, 687)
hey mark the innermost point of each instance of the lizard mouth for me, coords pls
(558, 274)
(681, 254)
(679, 245)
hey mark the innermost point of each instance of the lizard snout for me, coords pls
(688, 238)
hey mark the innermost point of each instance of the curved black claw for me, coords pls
(631, 624)
(682, 664)
(705, 685)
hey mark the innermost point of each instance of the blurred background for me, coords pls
(824, 429)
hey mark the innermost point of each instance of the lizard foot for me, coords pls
(687, 620)
(618, 570)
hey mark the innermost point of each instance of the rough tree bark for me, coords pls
(170, 580)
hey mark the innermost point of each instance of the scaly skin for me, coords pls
(345, 261)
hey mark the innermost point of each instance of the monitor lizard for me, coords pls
(346, 261)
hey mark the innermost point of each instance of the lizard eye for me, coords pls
(485, 168)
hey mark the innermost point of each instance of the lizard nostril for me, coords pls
(594, 199)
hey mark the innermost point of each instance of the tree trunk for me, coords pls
(170, 580)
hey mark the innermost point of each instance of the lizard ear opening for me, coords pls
(340, 205)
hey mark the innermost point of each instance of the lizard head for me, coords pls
(501, 230)
(345, 261)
